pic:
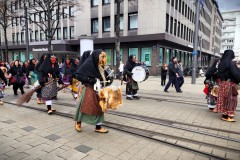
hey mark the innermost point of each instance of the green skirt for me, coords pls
(81, 117)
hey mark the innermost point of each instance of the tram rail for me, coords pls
(156, 136)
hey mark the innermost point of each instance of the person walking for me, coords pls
(172, 72)
(17, 77)
(89, 110)
(180, 77)
(229, 75)
(164, 70)
(132, 86)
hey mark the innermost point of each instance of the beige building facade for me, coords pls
(153, 30)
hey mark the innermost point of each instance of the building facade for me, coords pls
(153, 31)
(231, 32)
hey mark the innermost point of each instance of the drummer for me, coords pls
(131, 86)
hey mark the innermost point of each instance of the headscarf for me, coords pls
(40, 62)
(130, 64)
(85, 55)
(90, 67)
(225, 61)
(31, 66)
(47, 66)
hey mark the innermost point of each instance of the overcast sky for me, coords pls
(226, 5)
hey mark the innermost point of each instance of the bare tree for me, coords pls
(117, 32)
(46, 14)
(6, 16)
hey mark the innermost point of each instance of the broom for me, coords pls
(25, 98)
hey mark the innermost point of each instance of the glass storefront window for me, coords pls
(146, 56)
(115, 62)
(22, 56)
(186, 58)
(182, 59)
(15, 56)
(161, 58)
(133, 51)
(30, 56)
(168, 56)
(109, 56)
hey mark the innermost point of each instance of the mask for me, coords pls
(102, 59)
(53, 59)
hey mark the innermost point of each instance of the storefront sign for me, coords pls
(39, 49)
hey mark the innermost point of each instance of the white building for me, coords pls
(231, 32)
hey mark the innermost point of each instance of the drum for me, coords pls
(140, 73)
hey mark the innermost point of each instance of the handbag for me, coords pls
(234, 90)
(13, 80)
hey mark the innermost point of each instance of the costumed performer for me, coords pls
(89, 110)
(39, 91)
(49, 71)
(131, 86)
(73, 81)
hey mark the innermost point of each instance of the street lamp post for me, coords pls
(195, 46)
(26, 30)
(200, 53)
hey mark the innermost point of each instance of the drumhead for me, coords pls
(139, 74)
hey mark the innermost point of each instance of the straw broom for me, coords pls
(25, 98)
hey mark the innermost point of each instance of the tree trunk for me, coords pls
(117, 43)
(5, 54)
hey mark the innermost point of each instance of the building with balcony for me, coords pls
(231, 32)
(153, 31)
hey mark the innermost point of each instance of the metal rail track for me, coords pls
(166, 122)
(153, 136)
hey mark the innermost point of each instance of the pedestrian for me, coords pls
(229, 75)
(164, 70)
(48, 74)
(120, 68)
(131, 86)
(89, 110)
(180, 77)
(30, 73)
(172, 72)
(17, 77)
(3, 82)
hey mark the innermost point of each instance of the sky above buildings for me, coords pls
(227, 5)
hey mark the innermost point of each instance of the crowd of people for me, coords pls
(83, 74)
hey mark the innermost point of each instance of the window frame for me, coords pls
(92, 21)
(129, 20)
(103, 24)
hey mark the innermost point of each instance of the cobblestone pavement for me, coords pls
(31, 134)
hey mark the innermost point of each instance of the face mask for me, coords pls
(102, 59)
(53, 60)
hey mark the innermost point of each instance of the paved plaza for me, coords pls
(32, 134)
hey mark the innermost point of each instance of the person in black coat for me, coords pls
(17, 77)
(131, 86)
(163, 74)
(229, 75)
(48, 74)
(172, 71)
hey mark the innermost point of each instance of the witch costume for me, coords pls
(73, 81)
(89, 110)
(39, 91)
(229, 75)
(131, 86)
(48, 74)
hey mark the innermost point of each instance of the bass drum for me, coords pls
(140, 73)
